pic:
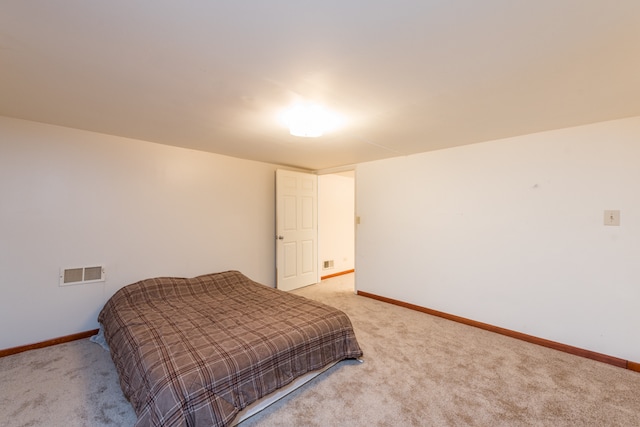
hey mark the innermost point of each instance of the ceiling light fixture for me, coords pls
(310, 120)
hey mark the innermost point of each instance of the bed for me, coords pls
(195, 352)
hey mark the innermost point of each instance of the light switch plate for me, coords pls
(612, 217)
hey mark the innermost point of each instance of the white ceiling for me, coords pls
(409, 75)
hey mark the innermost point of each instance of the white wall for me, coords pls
(72, 198)
(511, 233)
(336, 198)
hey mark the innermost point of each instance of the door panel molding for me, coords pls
(296, 229)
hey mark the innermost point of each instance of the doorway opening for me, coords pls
(336, 224)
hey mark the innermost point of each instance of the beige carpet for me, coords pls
(419, 370)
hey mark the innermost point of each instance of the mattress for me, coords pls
(195, 352)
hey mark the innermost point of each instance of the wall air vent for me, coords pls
(81, 275)
(327, 264)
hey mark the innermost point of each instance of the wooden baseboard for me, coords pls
(337, 274)
(60, 340)
(627, 364)
(621, 363)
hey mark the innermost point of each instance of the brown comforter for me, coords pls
(194, 352)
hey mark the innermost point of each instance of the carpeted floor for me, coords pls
(73, 384)
(419, 370)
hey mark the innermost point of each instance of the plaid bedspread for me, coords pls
(194, 352)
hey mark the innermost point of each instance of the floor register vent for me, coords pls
(81, 275)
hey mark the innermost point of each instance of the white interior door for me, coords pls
(296, 229)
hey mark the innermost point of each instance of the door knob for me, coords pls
(280, 237)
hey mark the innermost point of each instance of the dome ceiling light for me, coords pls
(310, 120)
